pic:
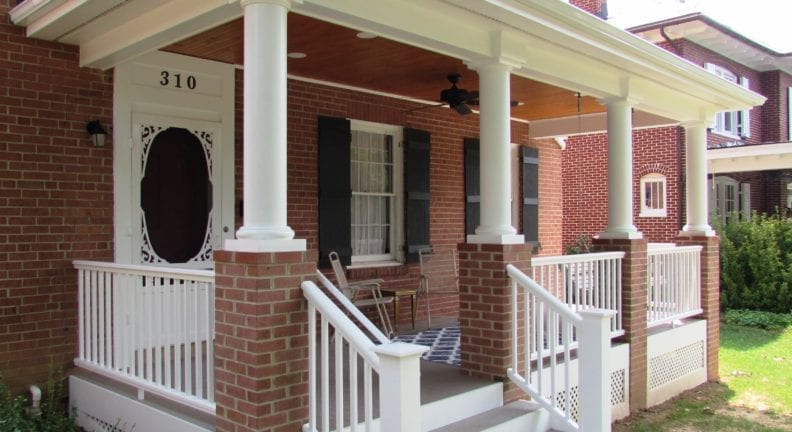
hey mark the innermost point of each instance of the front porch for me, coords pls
(147, 341)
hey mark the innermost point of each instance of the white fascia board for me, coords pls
(750, 158)
(28, 11)
(66, 17)
(131, 30)
(595, 41)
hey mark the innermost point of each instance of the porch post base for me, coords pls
(485, 310)
(710, 293)
(501, 239)
(283, 245)
(261, 345)
(628, 235)
(634, 309)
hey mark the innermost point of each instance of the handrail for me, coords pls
(674, 250)
(571, 259)
(350, 308)
(548, 339)
(144, 270)
(540, 292)
(341, 323)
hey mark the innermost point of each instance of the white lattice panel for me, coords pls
(673, 365)
(677, 360)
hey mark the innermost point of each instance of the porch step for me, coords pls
(518, 416)
(448, 396)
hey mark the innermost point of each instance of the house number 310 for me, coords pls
(177, 80)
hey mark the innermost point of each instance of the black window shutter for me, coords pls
(530, 194)
(335, 190)
(416, 169)
(472, 187)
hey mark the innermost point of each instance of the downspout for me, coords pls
(670, 41)
(35, 400)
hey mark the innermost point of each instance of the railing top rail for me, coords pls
(674, 250)
(144, 270)
(341, 298)
(520, 278)
(341, 322)
(568, 259)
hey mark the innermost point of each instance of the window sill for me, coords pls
(652, 215)
(726, 134)
(374, 264)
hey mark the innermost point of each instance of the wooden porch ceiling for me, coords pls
(336, 54)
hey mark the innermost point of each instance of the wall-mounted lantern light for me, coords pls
(97, 132)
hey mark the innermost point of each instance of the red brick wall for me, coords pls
(590, 6)
(585, 183)
(56, 198)
(776, 122)
(701, 56)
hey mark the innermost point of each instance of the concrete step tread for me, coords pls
(491, 418)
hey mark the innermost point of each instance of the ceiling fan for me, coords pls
(457, 98)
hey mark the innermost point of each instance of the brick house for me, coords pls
(253, 181)
(749, 151)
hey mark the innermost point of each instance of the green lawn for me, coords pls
(755, 392)
(757, 366)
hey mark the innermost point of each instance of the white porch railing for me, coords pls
(673, 283)
(149, 327)
(584, 281)
(341, 383)
(549, 329)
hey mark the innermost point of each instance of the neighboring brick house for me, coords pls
(750, 156)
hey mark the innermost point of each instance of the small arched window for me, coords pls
(653, 195)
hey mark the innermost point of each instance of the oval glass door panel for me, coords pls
(175, 197)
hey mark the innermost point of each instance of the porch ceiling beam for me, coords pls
(145, 25)
(750, 158)
(591, 123)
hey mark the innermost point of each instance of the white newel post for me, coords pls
(620, 184)
(696, 185)
(265, 226)
(400, 386)
(594, 373)
(495, 155)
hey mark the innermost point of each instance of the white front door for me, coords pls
(173, 156)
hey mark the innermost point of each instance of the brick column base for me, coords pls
(261, 345)
(710, 294)
(634, 309)
(485, 310)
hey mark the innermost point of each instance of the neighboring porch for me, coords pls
(147, 351)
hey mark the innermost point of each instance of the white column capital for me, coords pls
(491, 64)
(285, 3)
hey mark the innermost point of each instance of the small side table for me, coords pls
(397, 294)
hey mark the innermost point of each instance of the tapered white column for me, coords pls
(620, 183)
(265, 225)
(495, 156)
(696, 222)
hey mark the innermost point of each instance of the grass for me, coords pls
(754, 394)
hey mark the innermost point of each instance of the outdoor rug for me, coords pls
(443, 344)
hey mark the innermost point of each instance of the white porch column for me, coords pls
(620, 184)
(696, 222)
(265, 225)
(495, 156)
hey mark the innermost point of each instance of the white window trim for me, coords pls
(653, 212)
(397, 209)
(720, 118)
(741, 198)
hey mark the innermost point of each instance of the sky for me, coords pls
(768, 22)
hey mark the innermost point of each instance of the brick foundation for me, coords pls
(261, 346)
(710, 295)
(634, 298)
(485, 310)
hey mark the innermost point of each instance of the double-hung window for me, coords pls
(375, 174)
(653, 195)
(732, 123)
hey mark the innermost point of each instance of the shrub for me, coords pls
(756, 264)
(758, 319)
(53, 417)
